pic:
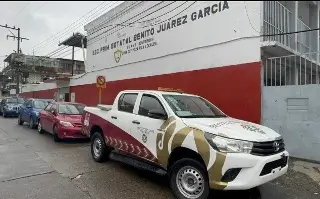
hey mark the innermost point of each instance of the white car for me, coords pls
(189, 138)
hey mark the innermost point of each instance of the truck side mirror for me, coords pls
(157, 114)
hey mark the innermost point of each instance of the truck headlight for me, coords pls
(67, 124)
(228, 145)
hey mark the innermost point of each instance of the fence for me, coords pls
(276, 21)
(291, 70)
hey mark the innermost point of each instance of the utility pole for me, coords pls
(19, 39)
(72, 58)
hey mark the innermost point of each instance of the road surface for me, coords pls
(34, 166)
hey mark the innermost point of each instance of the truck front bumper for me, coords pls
(246, 171)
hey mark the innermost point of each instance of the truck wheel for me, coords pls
(99, 150)
(40, 130)
(20, 121)
(188, 179)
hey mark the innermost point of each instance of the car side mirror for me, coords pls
(157, 114)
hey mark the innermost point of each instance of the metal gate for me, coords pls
(291, 102)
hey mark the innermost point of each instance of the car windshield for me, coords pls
(71, 109)
(40, 104)
(15, 101)
(192, 107)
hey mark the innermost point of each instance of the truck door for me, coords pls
(119, 132)
(145, 127)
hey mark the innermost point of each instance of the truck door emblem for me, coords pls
(144, 138)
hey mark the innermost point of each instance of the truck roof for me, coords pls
(158, 92)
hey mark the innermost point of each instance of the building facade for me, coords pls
(235, 54)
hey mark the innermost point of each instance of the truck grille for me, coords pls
(275, 164)
(268, 148)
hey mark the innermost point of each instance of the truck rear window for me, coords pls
(127, 101)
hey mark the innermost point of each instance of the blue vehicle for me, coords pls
(29, 111)
(10, 106)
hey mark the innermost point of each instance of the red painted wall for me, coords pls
(234, 89)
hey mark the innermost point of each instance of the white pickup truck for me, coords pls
(186, 137)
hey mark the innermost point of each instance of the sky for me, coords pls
(44, 23)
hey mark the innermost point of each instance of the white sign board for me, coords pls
(189, 26)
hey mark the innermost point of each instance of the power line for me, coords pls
(54, 35)
(64, 31)
(114, 16)
(144, 17)
(128, 20)
(245, 7)
(22, 9)
(289, 33)
(54, 39)
(40, 7)
(19, 39)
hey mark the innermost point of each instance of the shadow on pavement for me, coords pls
(162, 181)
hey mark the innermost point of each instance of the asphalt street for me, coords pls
(34, 166)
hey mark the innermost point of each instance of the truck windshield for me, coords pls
(192, 107)
(15, 101)
(71, 109)
(40, 104)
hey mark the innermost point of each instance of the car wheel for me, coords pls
(20, 121)
(188, 179)
(99, 151)
(40, 130)
(31, 123)
(56, 134)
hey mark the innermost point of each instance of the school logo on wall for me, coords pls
(117, 55)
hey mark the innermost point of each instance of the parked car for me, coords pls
(187, 137)
(29, 111)
(62, 119)
(10, 106)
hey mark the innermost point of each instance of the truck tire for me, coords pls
(188, 179)
(99, 151)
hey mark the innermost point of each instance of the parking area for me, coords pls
(34, 166)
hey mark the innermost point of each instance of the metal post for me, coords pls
(72, 60)
(296, 23)
(17, 70)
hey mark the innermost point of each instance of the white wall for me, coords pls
(229, 37)
(293, 111)
(37, 87)
(213, 41)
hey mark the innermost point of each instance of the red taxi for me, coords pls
(62, 119)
